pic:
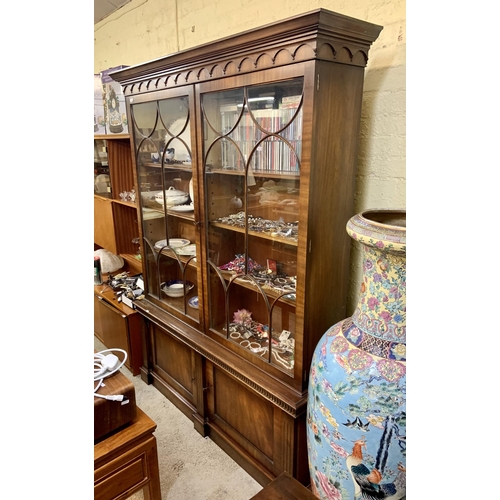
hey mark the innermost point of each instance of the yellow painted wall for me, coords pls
(144, 30)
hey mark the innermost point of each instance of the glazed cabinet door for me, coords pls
(251, 150)
(163, 135)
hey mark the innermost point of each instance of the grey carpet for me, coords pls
(191, 467)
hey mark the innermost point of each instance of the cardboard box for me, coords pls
(112, 415)
(99, 116)
(114, 103)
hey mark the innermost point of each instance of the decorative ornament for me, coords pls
(242, 317)
(356, 407)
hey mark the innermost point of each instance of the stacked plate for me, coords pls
(187, 250)
(182, 208)
(172, 243)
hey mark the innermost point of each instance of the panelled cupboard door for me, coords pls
(174, 363)
(271, 439)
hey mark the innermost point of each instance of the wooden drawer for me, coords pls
(123, 476)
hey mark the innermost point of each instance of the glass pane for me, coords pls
(163, 153)
(252, 184)
(221, 111)
(144, 118)
(177, 140)
(273, 106)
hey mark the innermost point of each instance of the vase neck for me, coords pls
(381, 309)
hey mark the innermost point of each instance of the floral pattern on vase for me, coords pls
(356, 408)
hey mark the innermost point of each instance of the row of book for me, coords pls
(271, 121)
(271, 155)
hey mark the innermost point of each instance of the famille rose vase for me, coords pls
(356, 407)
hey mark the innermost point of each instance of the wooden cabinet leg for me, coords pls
(153, 490)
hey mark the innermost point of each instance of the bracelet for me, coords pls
(235, 335)
(247, 343)
(254, 349)
(284, 362)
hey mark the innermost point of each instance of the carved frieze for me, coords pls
(318, 35)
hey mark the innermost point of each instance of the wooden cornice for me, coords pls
(319, 34)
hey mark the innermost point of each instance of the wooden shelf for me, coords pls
(116, 221)
(111, 136)
(271, 174)
(169, 166)
(265, 236)
(130, 204)
(270, 292)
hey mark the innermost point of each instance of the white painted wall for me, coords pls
(144, 30)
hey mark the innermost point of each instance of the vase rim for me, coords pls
(365, 214)
(384, 229)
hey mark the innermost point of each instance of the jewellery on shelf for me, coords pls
(254, 346)
(235, 335)
(288, 345)
(237, 265)
(284, 362)
(287, 230)
(247, 343)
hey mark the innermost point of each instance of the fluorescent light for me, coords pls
(254, 99)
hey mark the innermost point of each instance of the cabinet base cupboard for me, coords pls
(245, 153)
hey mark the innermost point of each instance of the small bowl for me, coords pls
(176, 288)
(173, 197)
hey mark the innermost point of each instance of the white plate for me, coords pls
(173, 243)
(182, 208)
(191, 190)
(181, 153)
(187, 250)
(193, 302)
